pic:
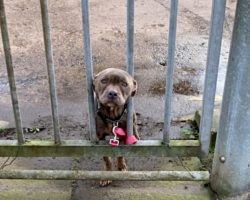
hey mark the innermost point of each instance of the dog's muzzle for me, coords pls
(112, 95)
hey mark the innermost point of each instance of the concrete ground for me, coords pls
(31, 189)
(108, 31)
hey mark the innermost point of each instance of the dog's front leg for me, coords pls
(121, 164)
(135, 128)
(108, 167)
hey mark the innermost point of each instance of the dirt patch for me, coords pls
(186, 88)
(157, 88)
(183, 87)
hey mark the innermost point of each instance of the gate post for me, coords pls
(231, 164)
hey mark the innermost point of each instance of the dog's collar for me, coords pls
(107, 119)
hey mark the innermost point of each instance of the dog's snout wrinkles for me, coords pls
(112, 95)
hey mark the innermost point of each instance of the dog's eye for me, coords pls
(104, 81)
(124, 84)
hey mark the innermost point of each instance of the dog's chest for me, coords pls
(105, 128)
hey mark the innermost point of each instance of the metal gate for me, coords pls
(68, 148)
(58, 147)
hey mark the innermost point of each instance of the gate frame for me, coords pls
(60, 147)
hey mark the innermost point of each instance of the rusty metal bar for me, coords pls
(170, 70)
(50, 68)
(130, 59)
(70, 148)
(109, 175)
(10, 71)
(213, 59)
(89, 69)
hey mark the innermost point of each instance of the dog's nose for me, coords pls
(112, 95)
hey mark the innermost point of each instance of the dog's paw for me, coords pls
(123, 168)
(104, 183)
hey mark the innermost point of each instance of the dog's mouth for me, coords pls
(111, 101)
(111, 104)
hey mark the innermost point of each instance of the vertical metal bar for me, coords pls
(50, 68)
(10, 71)
(213, 58)
(130, 59)
(170, 69)
(231, 164)
(89, 69)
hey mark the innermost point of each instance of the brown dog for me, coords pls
(112, 88)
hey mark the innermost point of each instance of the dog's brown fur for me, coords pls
(112, 88)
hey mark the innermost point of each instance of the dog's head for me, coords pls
(113, 87)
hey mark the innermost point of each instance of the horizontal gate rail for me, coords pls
(68, 148)
(114, 175)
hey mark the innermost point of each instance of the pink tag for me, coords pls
(114, 142)
(120, 132)
(131, 139)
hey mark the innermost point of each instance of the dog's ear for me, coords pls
(93, 82)
(134, 88)
(93, 85)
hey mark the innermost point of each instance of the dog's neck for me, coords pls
(113, 113)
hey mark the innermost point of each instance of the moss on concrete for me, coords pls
(183, 164)
(30, 189)
(162, 191)
(31, 195)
